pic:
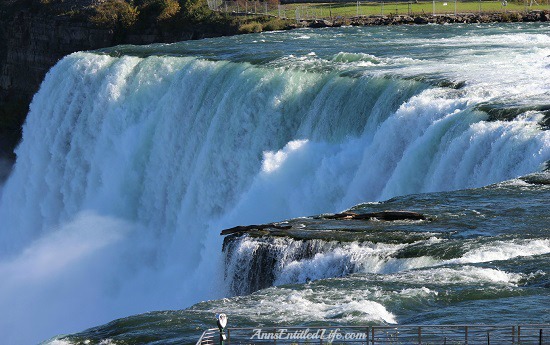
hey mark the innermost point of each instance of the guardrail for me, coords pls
(533, 334)
(209, 337)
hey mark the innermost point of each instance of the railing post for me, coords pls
(513, 335)
(465, 335)
(372, 337)
(519, 335)
(540, 336)
(228, 341)
(274, 336)
(488, 338)
(419, 335)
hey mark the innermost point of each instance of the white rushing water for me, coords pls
(129, 167)
(297, 262)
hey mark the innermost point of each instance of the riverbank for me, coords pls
(467, 18)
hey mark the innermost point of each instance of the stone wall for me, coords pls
(34, 43)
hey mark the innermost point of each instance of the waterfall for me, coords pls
(130, 166)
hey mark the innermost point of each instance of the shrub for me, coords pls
(275, 24)
(251, 27)
(113, 13)
(196, 9)
(169, 9)
(158, 10)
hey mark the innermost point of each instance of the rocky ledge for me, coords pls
(468, 18)
(345, 227)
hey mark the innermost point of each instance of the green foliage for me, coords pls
(158, 10)
(169, 9)
(195, 9)
(275, 24)
(114, 13)
(251, 27)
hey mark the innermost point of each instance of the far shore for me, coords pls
(257, 24)
(423, 19)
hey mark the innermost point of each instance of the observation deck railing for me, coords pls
(529, 334)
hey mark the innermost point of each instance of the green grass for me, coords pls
(325, 10)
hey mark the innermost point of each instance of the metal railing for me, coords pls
(533, 334)
(209, 337)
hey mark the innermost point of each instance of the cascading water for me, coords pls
(130, 165)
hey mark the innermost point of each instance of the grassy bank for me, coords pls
(316, 10)
(438, 7)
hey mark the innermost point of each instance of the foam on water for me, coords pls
(286, 305)
(505, 250)
(454, 276)
(296, 261)
(344, 259)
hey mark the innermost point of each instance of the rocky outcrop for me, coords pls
(248, 228)
(344, 227)
(383, 215)
(34, 42)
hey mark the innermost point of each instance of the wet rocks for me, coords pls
(310, 227)
(384, 215)
(248, 228)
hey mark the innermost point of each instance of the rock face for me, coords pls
(34, 42)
